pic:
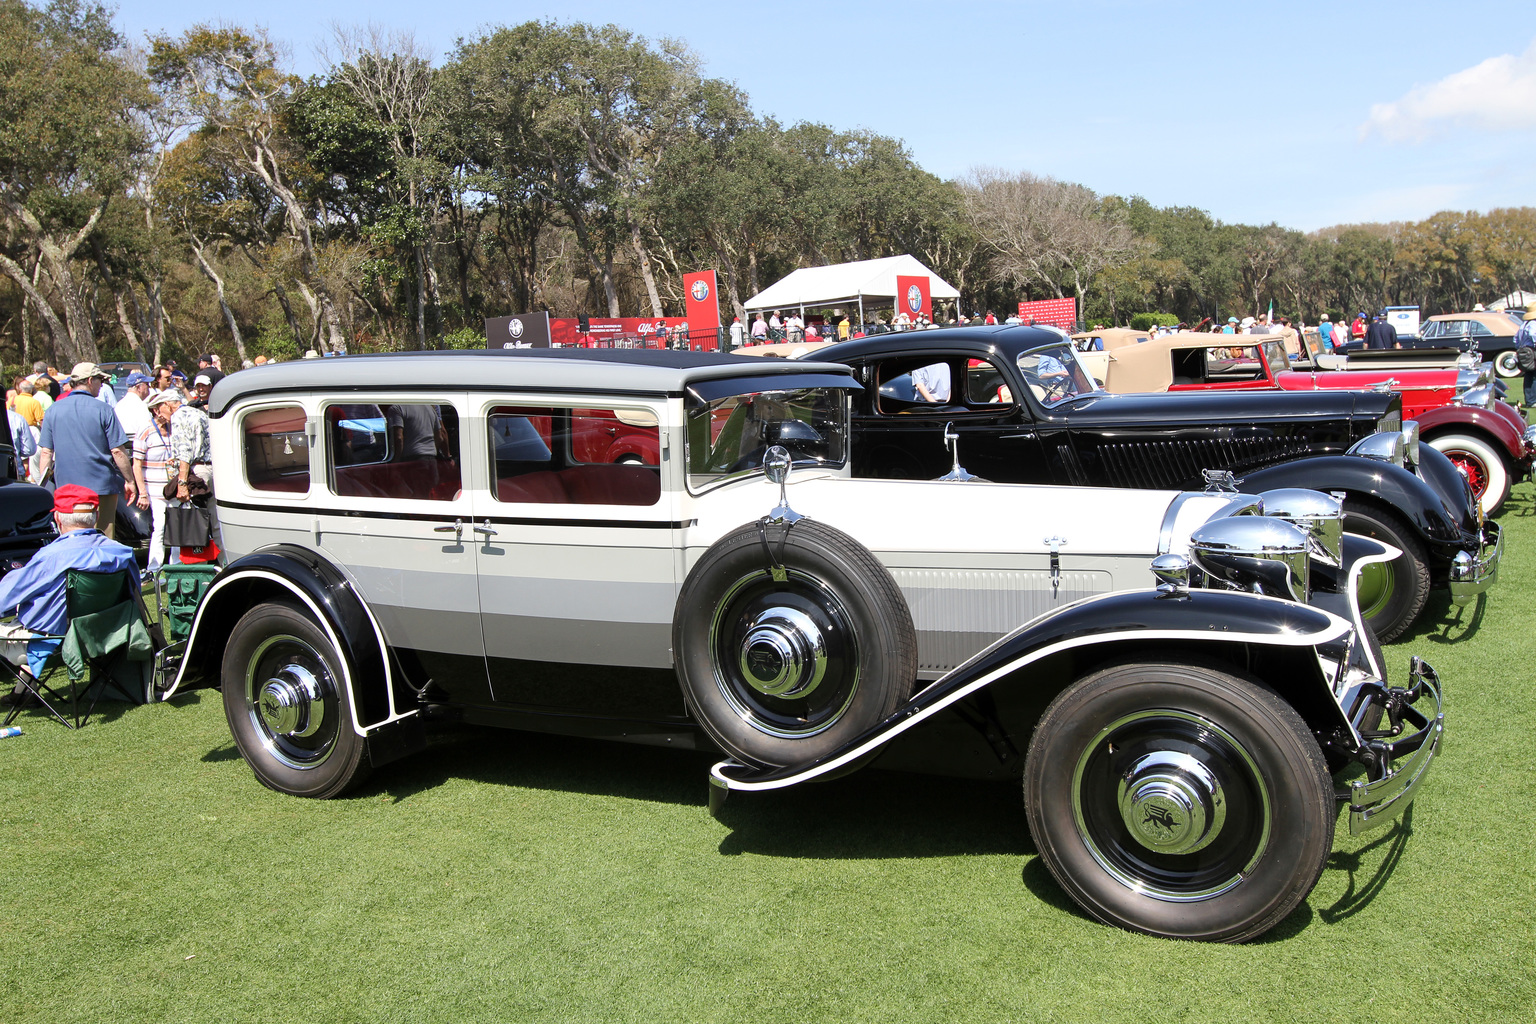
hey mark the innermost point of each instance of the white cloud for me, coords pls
(1498, 94)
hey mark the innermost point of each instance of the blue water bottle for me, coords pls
(9, 731)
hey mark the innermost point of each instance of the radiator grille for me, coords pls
(1176, 464)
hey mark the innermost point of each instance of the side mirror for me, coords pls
(777, 464)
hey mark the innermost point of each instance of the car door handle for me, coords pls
(483, 529)
(457, 529)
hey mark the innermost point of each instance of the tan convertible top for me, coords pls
(1149, 366)
(1113, 337)
(1499, 323)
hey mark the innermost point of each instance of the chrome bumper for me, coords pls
(1530, 441)
(1472, 574)
(1372, 804)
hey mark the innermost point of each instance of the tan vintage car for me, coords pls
(1492, 332)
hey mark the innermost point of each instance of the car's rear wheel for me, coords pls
(287, 704)
(1475, 459)
(1392, 594)
(790, 641)
(1507, 364)
(1179, 800)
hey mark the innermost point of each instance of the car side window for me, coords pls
(590, 456)
(276, 450)
(1223, 364)
(1478, 329)
(404, 450)
(920, 383)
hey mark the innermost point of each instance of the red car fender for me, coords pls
(1488, 422)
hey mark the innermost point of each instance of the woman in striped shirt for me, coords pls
(151, 468)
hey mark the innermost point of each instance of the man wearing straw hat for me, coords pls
(84, 443)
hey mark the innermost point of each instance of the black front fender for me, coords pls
(287, 572)
(1420, 504)
(1198, 620)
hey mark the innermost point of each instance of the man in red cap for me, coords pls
(35, 592)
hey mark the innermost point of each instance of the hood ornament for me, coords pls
(957, 472)
(777, 463)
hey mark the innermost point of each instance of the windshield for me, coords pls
(1054, 374)
(728, 436)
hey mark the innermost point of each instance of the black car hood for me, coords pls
(1103, 408)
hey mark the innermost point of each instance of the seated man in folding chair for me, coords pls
(35, 592)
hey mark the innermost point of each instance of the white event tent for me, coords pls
(817, 287)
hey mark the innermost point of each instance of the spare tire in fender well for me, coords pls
(790, 640)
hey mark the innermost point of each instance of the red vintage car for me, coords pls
(1456, 409)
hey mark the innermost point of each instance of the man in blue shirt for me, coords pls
(35, 592)
(86, 445)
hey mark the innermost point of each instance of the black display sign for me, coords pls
(525, 330)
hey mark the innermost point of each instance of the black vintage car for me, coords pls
(1023, 411)
(26, 510)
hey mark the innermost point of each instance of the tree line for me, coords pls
(192, 194)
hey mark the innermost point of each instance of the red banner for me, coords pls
(703, 304)
(632, 332)
(912, 296)
(1056, 312)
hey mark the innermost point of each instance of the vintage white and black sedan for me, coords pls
(668, 547)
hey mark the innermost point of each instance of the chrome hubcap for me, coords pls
(1172, 803)
(783, 654)
(291, 703)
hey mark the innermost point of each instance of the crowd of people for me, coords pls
(1368, 330)
(776, 326)
(148, 448)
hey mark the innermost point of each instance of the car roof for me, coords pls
(655, 372)
(1008, 340)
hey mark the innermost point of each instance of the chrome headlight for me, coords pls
(1257, 554)
(1480, 397)
(1410, 434)
(1320, 515)
(1466, 380)
(1386, 446)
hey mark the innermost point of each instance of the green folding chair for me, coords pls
(108, 645)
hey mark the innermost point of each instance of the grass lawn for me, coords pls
(511, 877)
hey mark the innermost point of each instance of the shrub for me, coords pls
(1147, 321)
(464, 337)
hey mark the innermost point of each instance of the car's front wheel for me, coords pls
(1179, 800)
(287, 704)
(1391, 594)
(790, 641)
(1475, 459)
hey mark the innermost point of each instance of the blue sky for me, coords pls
(1317, 114)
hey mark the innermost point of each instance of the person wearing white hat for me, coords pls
(1325, 333)
(152, 468)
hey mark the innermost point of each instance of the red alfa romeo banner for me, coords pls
(703, 304)
(1056, 312)
(632, 332)
(912, 296)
